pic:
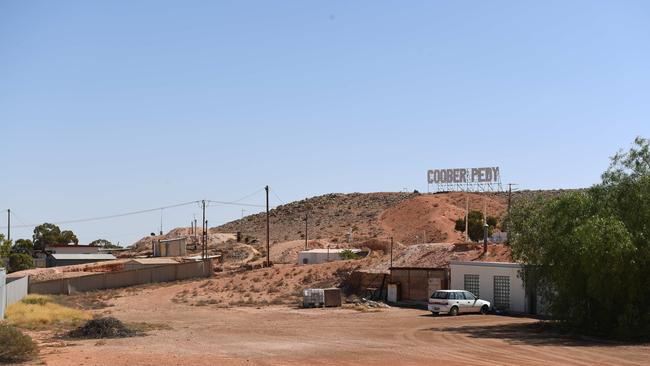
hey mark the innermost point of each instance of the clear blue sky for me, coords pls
(113, 106)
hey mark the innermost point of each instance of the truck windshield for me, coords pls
(440, 295)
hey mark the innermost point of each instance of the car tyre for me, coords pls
(453, 311)
(434, 313)
(484, 309)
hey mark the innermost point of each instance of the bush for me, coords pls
(38, 311)
(15, 346)
(348, 254)
(588, 252)
(19, 262)
(106, 327)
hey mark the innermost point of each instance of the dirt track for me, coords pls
(207, 335)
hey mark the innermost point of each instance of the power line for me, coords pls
(278, 197)
(110, 216)
(234, 203)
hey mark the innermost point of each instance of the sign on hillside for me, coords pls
(465, 179)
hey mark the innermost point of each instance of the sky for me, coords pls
(118, 106)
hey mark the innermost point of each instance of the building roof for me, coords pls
(329, 250)
(99, 256)
(419, 268)
(172, 240)
(152, 261)
(486, 264)
(70, 246)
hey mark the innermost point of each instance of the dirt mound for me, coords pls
(439, 255)
(331, 217)
(431, 218)
(106, 327)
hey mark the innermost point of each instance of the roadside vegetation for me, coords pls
(14, 345)
(38, 311)
(589, 251)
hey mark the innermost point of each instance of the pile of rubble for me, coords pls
(362, 301)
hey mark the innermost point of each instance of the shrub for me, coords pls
(19, 262)
(16, 346)
(38, 311)
(348, 254)
(106, 327)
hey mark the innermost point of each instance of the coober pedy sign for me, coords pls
(466, 179)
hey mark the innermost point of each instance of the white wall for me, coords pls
(314, 258)
(486, 272)
(16, 289)
(3, 294)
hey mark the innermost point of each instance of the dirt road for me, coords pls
(280, 335)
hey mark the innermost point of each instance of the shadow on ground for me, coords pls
(532, 334)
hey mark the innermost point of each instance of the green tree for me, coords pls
(589, 251)
(475, 224)
(23, 246)
(103, 243)
(5, 247)
(49, 234)
(19, 262)
(68, 237)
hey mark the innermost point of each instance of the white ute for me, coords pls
(453, 302)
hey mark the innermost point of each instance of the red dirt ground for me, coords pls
(286, 335)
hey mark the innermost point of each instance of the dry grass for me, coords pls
(38, 311)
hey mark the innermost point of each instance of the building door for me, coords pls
(502, 292)
(435, 284)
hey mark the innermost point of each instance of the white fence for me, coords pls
(3, 294)
(16, 289)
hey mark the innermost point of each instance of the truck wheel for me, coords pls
(453, 311)
(484, 309)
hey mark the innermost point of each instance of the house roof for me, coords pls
(486, 264)
(172, 240)
(99, 256)
(329, 251)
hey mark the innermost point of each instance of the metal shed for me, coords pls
(57, 260)
(170, 248)
(416, 284)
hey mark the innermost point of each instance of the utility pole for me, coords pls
(510, 197)
(391, 252)
(161, 221)
(9, 224)
(306, 218)
(241, 223)
(466, 217)
(206, 239)
(268, 233)
(203, 233)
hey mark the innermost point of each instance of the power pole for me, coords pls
(161, 211)
(306, 217)
(466, 217)
(268, 233)
(9, 224)
(510, 197)
(391, 252)
(206, 239)
(241, 223)
(203, 233)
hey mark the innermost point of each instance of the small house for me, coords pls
(499, 283)
(315, 256)
(72, 249)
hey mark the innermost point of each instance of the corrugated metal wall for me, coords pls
(415, 283)
(163, 273)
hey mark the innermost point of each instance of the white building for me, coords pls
(499, 283)
(315, 256)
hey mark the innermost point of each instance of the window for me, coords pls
(468, 295)
(472, 283)
(502, 292)
(440, 295)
